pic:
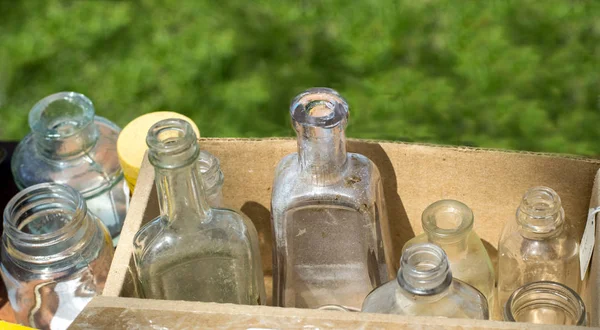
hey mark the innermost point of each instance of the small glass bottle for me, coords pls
(545, 302)
(425, 287)
(328, 212)
(449, 224)
(55, 255)
(539, 246)
(68, 144)
(191, 251)
(213, 178)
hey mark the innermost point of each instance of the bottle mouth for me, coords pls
(61, 115)
(540, 210)
(545, 302)
(447, 219)
(43, 213)
(172, 143)
(424, 270)
(210, 169)
(319, 107)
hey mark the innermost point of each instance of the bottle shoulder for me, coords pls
(91, 173)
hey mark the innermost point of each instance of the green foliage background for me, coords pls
(507, 74)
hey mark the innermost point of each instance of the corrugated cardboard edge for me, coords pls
(590, 286)
(102, 312)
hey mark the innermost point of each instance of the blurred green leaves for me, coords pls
(507, 74)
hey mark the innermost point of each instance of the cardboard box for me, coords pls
(491, 182)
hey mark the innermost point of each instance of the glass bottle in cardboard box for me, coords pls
(539, 246)
(191, 251)
(449, 224)
(425, 287)
(68, 144)
(328, 212)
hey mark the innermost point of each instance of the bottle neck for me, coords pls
(540, 214)
(424, 271)
(63, 125)
(448, 223)
(174, 152)
(322, 151)
(181, 195)
(44, 226)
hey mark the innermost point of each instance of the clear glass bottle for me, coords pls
(545, 302)
(425, 287)
(213, 178)
(449, 224)
(68, 144)
(539, 246)
(191, 251)
(55, 255)
(328, 212)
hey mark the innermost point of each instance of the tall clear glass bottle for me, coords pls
(68, 144)
(425, 287)
(55, 255)
(192, 251)
(539, 246)
(449, 224)
(328, 212)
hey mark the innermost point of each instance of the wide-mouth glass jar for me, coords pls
(55, 255)
(545, 302)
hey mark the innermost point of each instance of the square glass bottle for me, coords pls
(328, 212)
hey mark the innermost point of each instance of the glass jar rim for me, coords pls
(77, 99)
(319, 107)
(463, 226)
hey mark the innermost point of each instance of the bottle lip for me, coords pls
(84, 115)
(551, 290)
(461, 221)
(540, 211)
(432, 280)
(319, 107)
(20, 207)
(172, 143)
(210, 169)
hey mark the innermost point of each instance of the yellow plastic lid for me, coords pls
(12, 326)
(131, 144)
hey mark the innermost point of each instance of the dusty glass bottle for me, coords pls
(425, 287)
(545, 302)
(539, 246)
(68, 144)
(328, 212)
(192, 251)
(55, 255)
(213, 178)
(449, 224)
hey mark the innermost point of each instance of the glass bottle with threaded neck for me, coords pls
(328, 212)
(545, 302)
(68, 144)
(425, 287)
(539, 246)
(449, 224)
(191, 251)
(55, 255)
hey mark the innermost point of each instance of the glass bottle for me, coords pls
(425, 287)
(69, 145)
(545, 302)
(539, 246)
(213, 178)
(191, 251)
(55, 255)
(327, 212)
(449, 224)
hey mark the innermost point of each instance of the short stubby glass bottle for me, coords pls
(425, 287)
(545, 302)
(539, 246)
(191, 251)
(449, 224)
(68, 144)
(328, 212)
(213, 178)
(55, 255)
